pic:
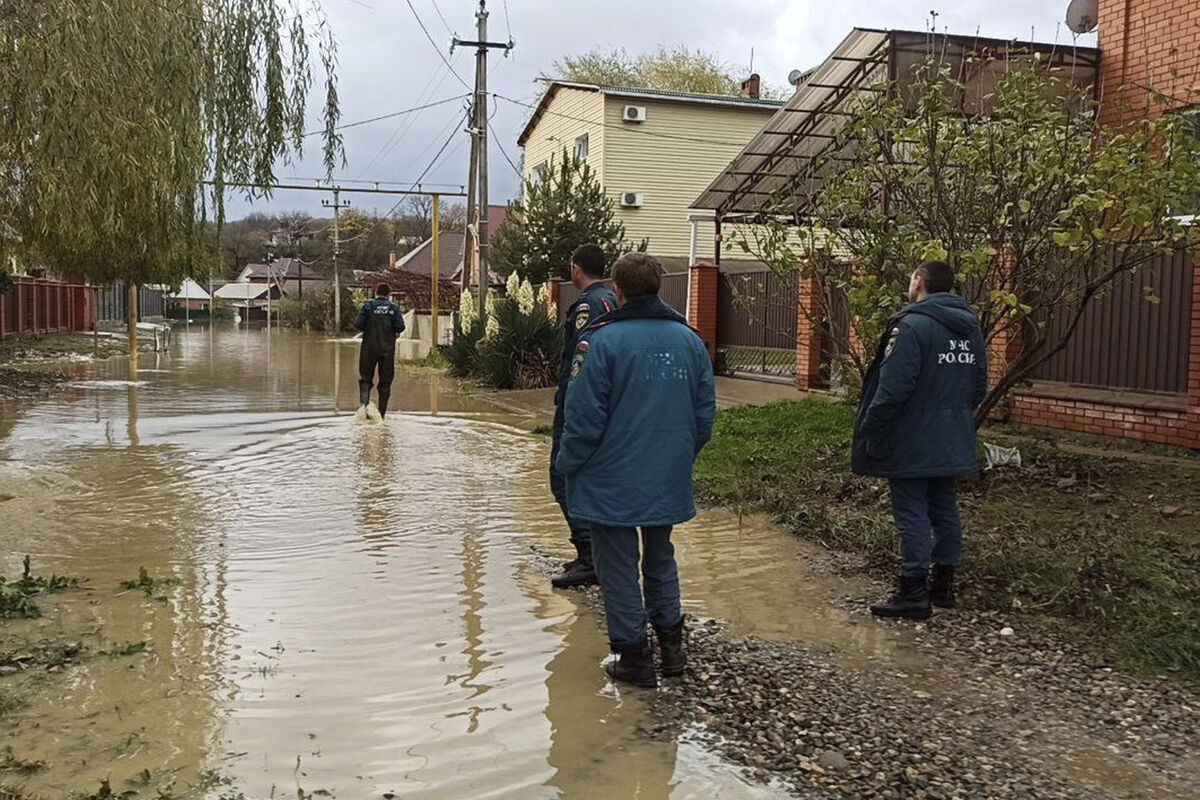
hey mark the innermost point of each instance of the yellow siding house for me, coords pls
(655, 152)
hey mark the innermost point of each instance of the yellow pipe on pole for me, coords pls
(433, 297)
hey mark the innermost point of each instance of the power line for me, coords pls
(391, 115)
(427, 169)
(406, 124)
(442, 18)
(624, 127)
(433, 44)
(507, 20)
(504, 152)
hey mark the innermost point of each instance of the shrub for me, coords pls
(519, 347)
(314, 310)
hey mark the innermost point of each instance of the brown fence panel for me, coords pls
(34, 305)
(756, 323)
(1125, 341)
(674, 291)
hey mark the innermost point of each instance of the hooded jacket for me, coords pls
(640, 405)
(380, 321)
(593, 302)
(917, 414)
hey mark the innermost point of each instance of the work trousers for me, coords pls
(616, 553)
(926, 514)
(368, 363)
(581, 534)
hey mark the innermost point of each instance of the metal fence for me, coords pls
(756, 323)
(673, 291)
(113, 302)
(34, 305)
(1124, 340)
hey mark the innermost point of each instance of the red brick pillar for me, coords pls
(555, 284)
(1191, 433)
(702, 304)
(808, 333)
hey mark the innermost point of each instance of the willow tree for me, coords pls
(116, 113)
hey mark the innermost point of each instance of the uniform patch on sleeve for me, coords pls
(891, 342)
(577, 361)
(581, 319)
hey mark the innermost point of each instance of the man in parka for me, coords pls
(916, 427)
(594, 301)
(380, 321)
(640, 405)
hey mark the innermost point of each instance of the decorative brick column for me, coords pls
(702, 304)
(808, 333)
(555, 285)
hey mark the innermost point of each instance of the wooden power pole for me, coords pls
(337, 247)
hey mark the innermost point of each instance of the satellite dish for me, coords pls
(794, 76)
(1083, 15)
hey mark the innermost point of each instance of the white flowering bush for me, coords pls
(518, 347)
(466, 311)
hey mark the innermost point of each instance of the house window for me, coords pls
(581, 147)
(539, 173)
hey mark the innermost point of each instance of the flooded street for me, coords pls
(357, 609)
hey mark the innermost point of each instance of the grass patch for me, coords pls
(543, 430)
(1110, 543)
(127, 649)
(54, 346)
(9, 703)
(17, 597)
(10, 763)
(145, 583)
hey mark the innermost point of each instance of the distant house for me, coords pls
(190, 296)
(292, 273)
(451, 251)
(653, 151)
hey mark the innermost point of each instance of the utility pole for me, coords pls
(472, 182)
(433, 273)
(479, 141)
(337, 247)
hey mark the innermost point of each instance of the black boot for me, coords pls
(580, 572)
(577, 573)
(941, 587)
(634, 666)
(911, 600)
(670, 648)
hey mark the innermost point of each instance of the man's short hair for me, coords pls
(938, 275)
(383, 290)
(637, 275)
(589, 258)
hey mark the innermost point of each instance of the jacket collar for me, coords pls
(646, 307)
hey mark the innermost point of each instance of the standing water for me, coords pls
(339, 607)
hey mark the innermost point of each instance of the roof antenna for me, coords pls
(751, 60)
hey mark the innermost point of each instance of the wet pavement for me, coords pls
(350, 608)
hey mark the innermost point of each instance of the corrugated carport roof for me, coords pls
(790, 152)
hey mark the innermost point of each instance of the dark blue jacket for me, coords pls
(593, 302)
(640, 405)
(917, 415)
(380, 321)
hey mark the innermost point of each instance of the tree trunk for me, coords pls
(132, 319)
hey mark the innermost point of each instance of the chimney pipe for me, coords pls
(752, 86)
(392, 259)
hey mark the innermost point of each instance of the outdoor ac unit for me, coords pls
(631, 199)
(634, 114)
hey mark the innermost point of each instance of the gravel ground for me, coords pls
(19, 384)
(996, 712)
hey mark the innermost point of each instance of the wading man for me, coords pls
(639, 407)
(916, 427)
(380, 321)
(595, 300)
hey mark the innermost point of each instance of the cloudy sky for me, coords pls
(387, 64)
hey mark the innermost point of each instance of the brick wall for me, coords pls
(1147, 43)
(808, 335)
(702, 305)
(1109, 419)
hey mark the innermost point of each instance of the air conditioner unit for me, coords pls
(631, 200)
(634, 114)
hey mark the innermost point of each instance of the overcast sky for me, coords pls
(387, 64)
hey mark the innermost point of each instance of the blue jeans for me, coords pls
(581, 534)
(926, 514)
(616, 553)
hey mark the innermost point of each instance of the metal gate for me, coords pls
(756, 324)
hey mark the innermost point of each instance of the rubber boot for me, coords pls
(383, 403)
(580, 572)
(634, 666)
(364, 393)
(670, 649)
(941, 587)
(911, 600)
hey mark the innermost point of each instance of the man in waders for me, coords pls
(916, 427)
(640, 406)
(380, 321)
(595, 300)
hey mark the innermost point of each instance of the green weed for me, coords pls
(10, 763)
(1109, 543)
(17, 597)
(127, 649)
(145, 583)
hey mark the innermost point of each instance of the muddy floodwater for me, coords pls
(350, 608)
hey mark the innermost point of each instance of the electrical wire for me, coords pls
(442, 18)
(408, 122)
(433, 44)
(624, 127)
(504, 152)
(391, 115)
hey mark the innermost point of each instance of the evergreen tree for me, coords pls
(559, 212)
